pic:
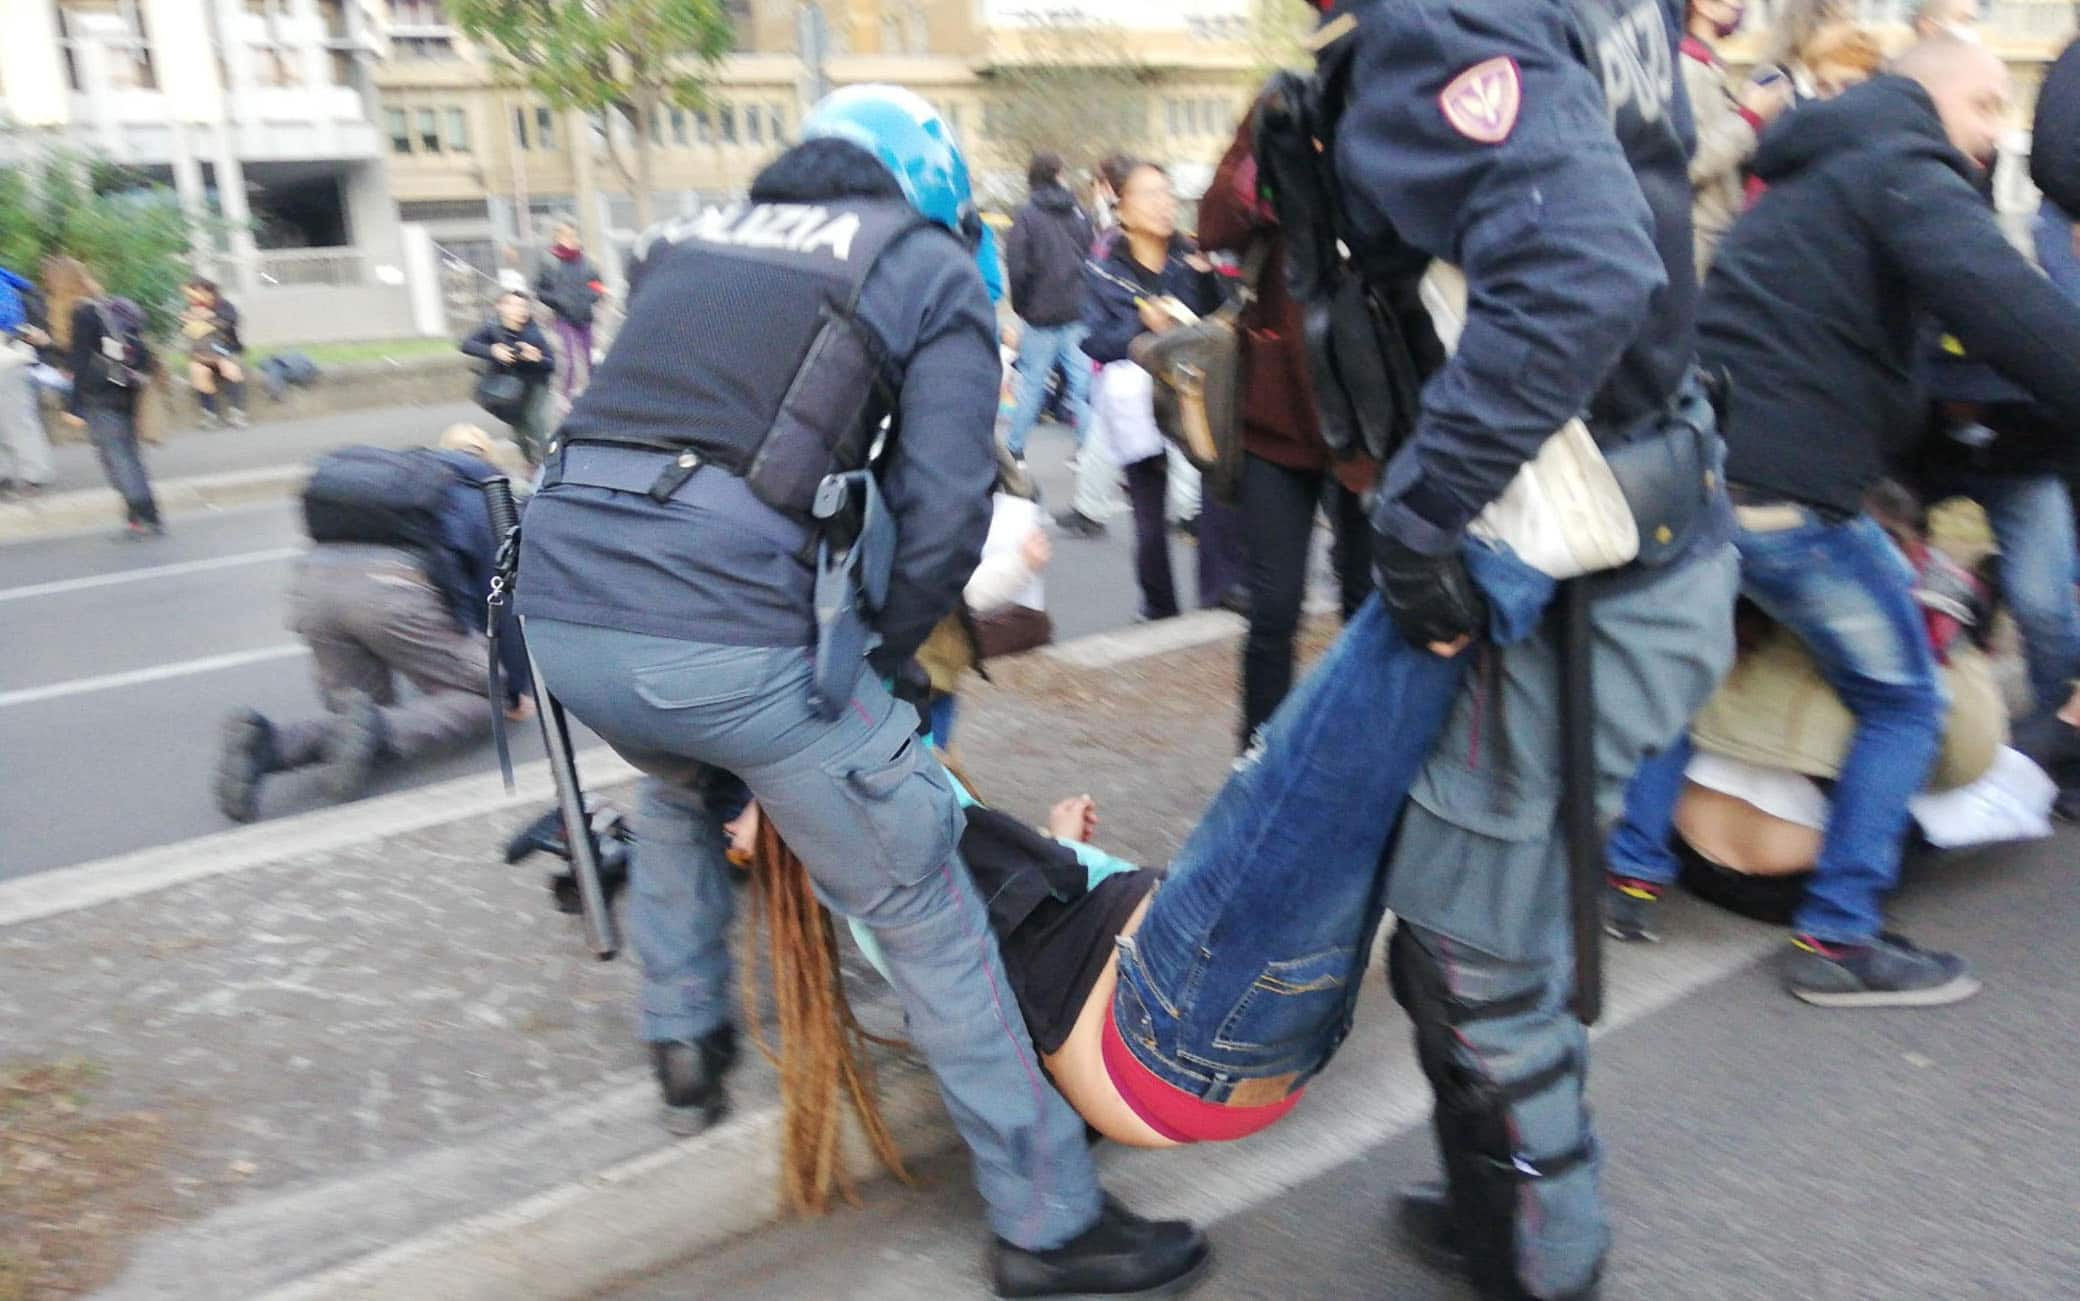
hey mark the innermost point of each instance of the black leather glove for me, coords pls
(1432, 598)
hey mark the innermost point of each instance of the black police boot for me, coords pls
(352, 748)
(689, 1074)
(1423, 1213)
(1121, 1255)
(246, 754)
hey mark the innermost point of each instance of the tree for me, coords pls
(1073, 90)
(132, 235)
(630, 59)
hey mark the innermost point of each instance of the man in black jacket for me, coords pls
(1814, 307)
(1050, 237)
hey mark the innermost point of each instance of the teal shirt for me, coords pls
(1097, 866)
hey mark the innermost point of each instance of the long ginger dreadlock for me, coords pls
(822, 1055)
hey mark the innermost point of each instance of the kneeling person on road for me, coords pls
(395, 585)
(673, 582)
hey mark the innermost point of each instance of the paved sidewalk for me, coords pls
(347, 1048)
(200, 471)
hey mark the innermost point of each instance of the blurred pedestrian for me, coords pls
(1791, 34)
(570, 287)
(515, 387)
(2054, 164)
(1152, 279)
(25, 452)
(1050, 237)
(105, 354)
(1813, 307)
(1097, 474)
(1959, 18)
(1728, 126)
(1288, 474)
(209, 328)
(394, 588)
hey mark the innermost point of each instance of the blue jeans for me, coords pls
(1847, 593)
(1040, 349)
(2053, 235)
(2032, 518)
(1248, 962)
(875, 820)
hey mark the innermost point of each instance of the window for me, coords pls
(703, 127)
(679, 127)
(458, 131)
(754, 125)
(1173, 117)
(776, 118)
(726, 116)
(520, 128)
(545, 128)
(429, 131)
(399, 130)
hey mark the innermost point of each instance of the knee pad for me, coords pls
(1477, 1133)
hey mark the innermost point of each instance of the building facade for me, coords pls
(487, 165)
(261, 116)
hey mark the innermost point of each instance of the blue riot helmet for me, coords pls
(913, 143)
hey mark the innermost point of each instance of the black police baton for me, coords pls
(1585, 874)
(600, 933)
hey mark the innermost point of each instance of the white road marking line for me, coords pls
(158, 673)
(64, 585)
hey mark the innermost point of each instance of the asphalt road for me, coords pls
(122, 657)
(1756, 1148)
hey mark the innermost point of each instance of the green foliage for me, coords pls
(1076, 91)
(595, 55)
(134, 239)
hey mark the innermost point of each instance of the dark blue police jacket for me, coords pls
(1543, 147)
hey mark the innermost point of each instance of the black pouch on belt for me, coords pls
(1671, 474)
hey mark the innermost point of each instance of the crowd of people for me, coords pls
(1782, 308)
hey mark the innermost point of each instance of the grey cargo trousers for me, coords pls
(873, 817)
(371, 616)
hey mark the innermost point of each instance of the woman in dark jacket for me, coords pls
(569, 286)
(1287, 471)
(1131, 285)
(514, 345)
(105, 391)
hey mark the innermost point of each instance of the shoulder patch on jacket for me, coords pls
(1482, 102)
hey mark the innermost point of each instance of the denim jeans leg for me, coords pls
(1038, 346)
(1847, 593)
(2053, 235)
(1076, 377)
(113, 431)
(679, 912)
(1222, 552)
(1639, 847)
(1280, 879)
(2032, 518)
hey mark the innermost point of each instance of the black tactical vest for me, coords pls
(743, 345)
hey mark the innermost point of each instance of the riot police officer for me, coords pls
(668, 576)
(1541, 145)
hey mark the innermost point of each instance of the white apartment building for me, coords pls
(258, 112)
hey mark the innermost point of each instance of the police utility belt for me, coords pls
(1582, 507)
(851, 541)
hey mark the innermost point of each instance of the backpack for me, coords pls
(126, 361)
(376, 495)
(1370, 345)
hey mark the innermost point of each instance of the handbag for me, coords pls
(503, 395)
(1012, 630)
(1565, 513)
(1197, 366)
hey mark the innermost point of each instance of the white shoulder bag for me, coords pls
(1563, 514)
